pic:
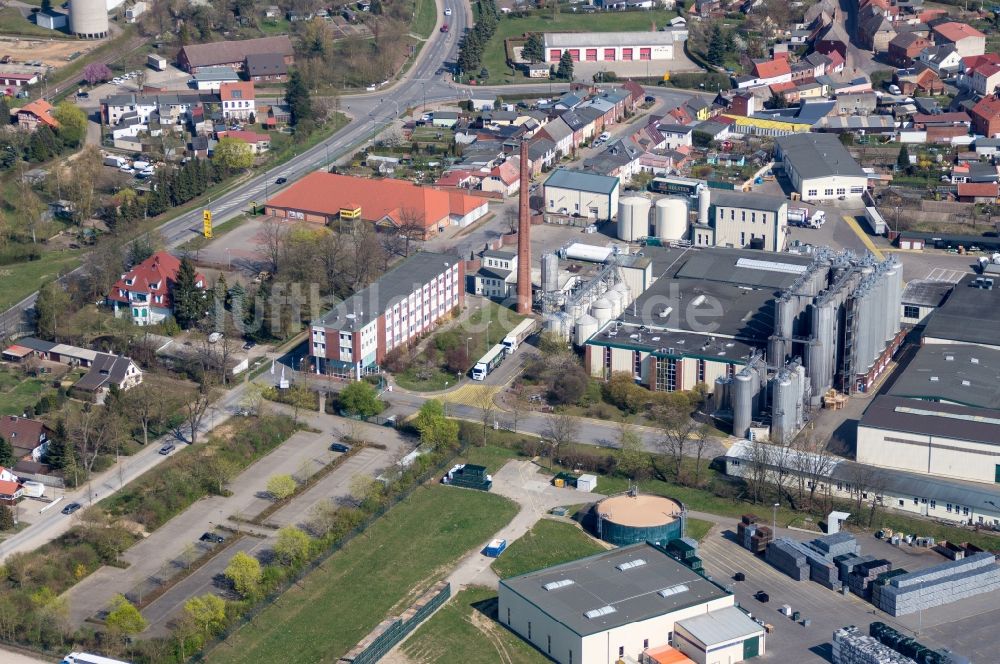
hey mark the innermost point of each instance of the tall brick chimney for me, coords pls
(524, 238)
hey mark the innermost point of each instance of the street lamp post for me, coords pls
(467, 340)
(774, 519)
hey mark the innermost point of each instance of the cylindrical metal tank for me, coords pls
(720, 395)
(704, 203)
(897, 295)
(550, 273)
(575, 309)
(633, 218)
(601, 310)
(626, 519)
(862, 336)
(782, 408)
(622, 288)
(615, 298)
(802, 384)
(823, 349)
(586, 327)
(671, 218)
(88, 18)
(565, 326)
(742, 397)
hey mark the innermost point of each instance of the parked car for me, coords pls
(72, 507)
(281, 181)
(340, 447)
(447, 12)
(213, 538)
(248, 345)
(167, 449)
(444, 28)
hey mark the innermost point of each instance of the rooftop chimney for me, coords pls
(523, 238)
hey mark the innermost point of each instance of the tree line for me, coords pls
(472, 45)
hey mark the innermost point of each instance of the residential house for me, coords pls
(986, 117)
(146, 290)
(34, 114)
(619, 159)
(649, 138)
(104, 369)
(238, 100)
(542, 153)
(266, 67)
(875, 30)
(445, 119)
(29, 439)
(966, 39)
(583, 130)
(905, 47)
(920, 79)
(11, 489)
(988, 147)
(675, 136)
(861, 103)
(978, 192)
(560, 134)
(504, 178)
(497, 275)
(259, 143)
(768, 72)
(986, 78)
(942, 127)
(943, 59)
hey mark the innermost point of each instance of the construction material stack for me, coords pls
(685, 551)
(760, 539)
(469, 476)
(751, 535)
(910, 647)
(837, 544)
(847, 562)
(937, 585)
(818, 555)
(864, 575)
(784, 554)
(851, 646)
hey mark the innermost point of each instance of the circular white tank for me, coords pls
(586, 327)
(88, 18)
(704, 204)
(671, 218)
(574, 310)
(615, 298)
(601, 310)
(625, 292)
(633, 218)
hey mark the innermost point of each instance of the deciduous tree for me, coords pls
(72, 123)
(244, 572)
(208, 612)
(360, 398)
(292, 546)
(96, 72)
(124, 619)
(281, 486)
(235, 154)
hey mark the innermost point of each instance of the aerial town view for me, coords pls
(514, 331)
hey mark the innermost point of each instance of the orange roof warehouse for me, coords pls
(326, 197)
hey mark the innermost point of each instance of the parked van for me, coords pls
(117, 162)
(34, 489)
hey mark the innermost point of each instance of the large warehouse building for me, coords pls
(768, 334)
(404, 304)
(820, 168)
(620, 603)
(741, 220)
(585, 194)
(613, 46)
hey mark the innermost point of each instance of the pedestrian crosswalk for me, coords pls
(472, 395)
(941, 274)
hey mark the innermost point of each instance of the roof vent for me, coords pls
(949, 358)
(597, 613)
(638, 562)
(934, 379)
(966, 383)
(561, 583)
(673, 590)
(974, 360)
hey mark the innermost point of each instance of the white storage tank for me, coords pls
(615, 298)
(550, 273)
(601, 310)
(88, 18)
(633, 218)
(704, 203)
(586, 327)
(625, 292)
(671, 218)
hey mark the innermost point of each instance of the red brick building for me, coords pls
(986, 117)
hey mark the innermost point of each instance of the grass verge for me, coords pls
(549, 542)
(402, 553)
(19, 280)
(466, 630)
(424, 18)
(13, 23)
(697, 528)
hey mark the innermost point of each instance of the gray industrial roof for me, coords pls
(671, 344)
(955, 422)
(750, 201)
(578, 180)
(600, 39)
(721, 626)
(633, 594)
(818, 156)
(969, 315)
(926, 293)
(216, 74)
(501, 254)
(365, 306)
(956, 373)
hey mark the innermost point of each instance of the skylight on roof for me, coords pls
(951, 416)
(673, 590)
(561, 583)
(597, 613)
(770, 266)
(638, 562)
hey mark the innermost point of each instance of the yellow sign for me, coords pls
(666, 75)
(206, 216)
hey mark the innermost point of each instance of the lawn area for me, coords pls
(697, 528)
(17, 393)
(408, 549)
(424, 18)
(19, 280)
(490, 456)
(495, 60)
(466, 630)
(548, 543)
(12, 22)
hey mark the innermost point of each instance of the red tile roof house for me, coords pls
(986, 117)
(967, 40)
(28, 438)
(326, 198)
(238, 100)
(36, 113)
(504, 178)
(978, 192)
(258, 142)
(146, 288)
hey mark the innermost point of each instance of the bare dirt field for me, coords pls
(52, 52)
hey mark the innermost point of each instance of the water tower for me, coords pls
(88, 19)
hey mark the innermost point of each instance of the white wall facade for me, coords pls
(585, 203)
(737, 226)
(828, 188)
(935, 455)
(610, 53)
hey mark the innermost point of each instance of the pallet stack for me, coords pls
(751, 535)
(760, 539)
(937, 585)
(851, 646)
(783, 554)
(864, 574)
(835, 545)
(847, 562)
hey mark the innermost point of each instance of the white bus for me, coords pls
(517, 336)
(485, 366)
(87, 658)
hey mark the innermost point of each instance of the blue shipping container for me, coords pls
(495, 548)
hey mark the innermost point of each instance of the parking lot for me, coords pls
(964, 627)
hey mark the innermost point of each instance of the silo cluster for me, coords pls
(746, 395)
(88, 19)
(633, 218)
(669, 218)
(789, 390)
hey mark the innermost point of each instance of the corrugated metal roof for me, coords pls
(721, 626)
(580, 181)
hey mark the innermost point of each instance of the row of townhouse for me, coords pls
(237, 101)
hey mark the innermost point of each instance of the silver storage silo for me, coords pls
(601, 310)
(823, 351)
(802, 384)
(88, 19)
(575, 309)
(550, 273)
(720, 395)
(633, 218)
(742, 397)
(626, 294)
(782, 408)
(862, 329)
(615, 298)
(897, 295)
(704, 203)
(671, 219)
(586, 327)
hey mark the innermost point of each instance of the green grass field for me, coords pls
(374, 576)
(495, 60)
(548, 543)
(17, 393)
(490, 456)
(697, 528)
(13, 23)
(20, 280)
(424, 18)
(466, 630)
